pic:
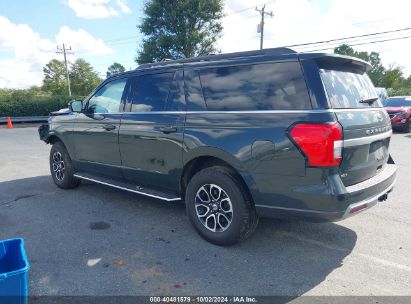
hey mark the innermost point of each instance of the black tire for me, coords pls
(61, 167)
(243, 217)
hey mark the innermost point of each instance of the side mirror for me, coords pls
(75, 106)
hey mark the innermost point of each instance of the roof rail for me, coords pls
(273, 51)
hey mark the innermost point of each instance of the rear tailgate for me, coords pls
(366, 125)
(366, 142)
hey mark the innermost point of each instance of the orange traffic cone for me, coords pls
(9, 124)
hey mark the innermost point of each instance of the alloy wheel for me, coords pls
(214, 208)
(58, 166)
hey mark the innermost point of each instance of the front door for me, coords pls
(95, 131)
(151, 133)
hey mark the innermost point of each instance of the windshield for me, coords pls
(397, 102)
(347, 89)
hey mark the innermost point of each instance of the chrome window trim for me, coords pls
(314, 111)
(358, 109)
(234, 112)
(366, 140)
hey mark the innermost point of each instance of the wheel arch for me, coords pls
(53, 138)
(204, 158)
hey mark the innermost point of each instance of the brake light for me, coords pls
(321, 143)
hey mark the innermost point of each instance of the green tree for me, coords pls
(83, 78)
(393, 77)
(405, 86)
(377, 71)
(115, 68)
(345, 49)
(55, 79)
(179, 29)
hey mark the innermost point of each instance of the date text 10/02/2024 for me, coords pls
(203, 299)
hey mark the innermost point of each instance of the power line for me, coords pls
(244, 18)
(63, 50)
(351, 37)
(124, 39)
(371, 42)
(120, 39)
(373, 21)
(355, 40)
(310, 45)
(320, 49)
(248, 8)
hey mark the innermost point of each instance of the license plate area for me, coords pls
(379, 150)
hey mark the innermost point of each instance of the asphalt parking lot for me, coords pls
(96, 240)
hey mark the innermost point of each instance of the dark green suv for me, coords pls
(235, 136)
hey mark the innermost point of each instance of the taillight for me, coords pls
(321, 143)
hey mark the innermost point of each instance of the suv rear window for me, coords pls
(345, 89)
(270, 86)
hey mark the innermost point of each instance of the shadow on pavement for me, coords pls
(96, 240)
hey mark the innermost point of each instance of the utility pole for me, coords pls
(63, 50)
(260, 28)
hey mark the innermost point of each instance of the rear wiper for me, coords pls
(370, 101)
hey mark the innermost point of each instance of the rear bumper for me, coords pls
(341, 202)
(355, 208)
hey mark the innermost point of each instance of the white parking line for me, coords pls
(342, 249)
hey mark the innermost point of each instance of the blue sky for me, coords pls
(46, 17)
(104, 31)
(118, 33)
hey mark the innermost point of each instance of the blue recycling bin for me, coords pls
(14, 268)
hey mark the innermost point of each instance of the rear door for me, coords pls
(366, 125)
(151, 133)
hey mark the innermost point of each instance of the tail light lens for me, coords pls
(321, 143)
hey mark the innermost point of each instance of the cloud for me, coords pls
(300, 21)
(18, 74)
(26, 52)
(82, 42)
(123, 6)
(98, 9)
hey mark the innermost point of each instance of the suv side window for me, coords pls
(194, 92)
(108, 98)
(176, 98)
(268, 86)
(149, 92)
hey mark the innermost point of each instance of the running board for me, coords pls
(127, 186)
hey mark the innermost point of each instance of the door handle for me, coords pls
(168, 129)
(109, 127)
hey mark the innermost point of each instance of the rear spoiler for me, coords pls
(337, 61)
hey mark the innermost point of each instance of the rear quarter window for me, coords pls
(269, 86)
